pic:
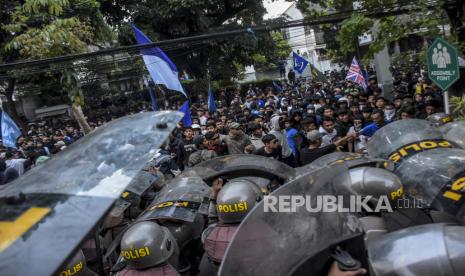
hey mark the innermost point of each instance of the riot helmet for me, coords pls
(375, 182)
(147, 244)
(236, 199)
(439, 119)
(76, 266)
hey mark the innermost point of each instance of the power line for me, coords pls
(332, 18)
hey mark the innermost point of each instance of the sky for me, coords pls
(275, 8)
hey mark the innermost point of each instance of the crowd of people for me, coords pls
(295, 121)
(34, 148)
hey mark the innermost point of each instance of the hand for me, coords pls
(352, 135)
(153, 170)
(216, 186)
(335, 271)
(249, 148)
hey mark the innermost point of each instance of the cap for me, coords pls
(195, 126)
(60, 144)
(314, 135)
(234, 125)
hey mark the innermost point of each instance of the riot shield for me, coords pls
(142, 183)
(430, 168)
(445, 128)
(405, 252)
(351, 160)
(275, 243)
(46, 213)
(394, 136)
(181, 199)
(238, 165)
(456, 133)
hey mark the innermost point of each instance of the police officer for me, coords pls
(231, 203)
(77, 266)
(148, 249)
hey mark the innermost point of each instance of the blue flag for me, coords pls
(186, 120)
(299, 63)
(211, 100)
(277, 87)
(10, 131)
(153, 100)
(161, 68)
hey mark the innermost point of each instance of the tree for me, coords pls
(420, 17)
(222, 58)
(47, 28)
(279, 52)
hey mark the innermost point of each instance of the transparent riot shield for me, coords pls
(59, 203)
(456, 133)
(431, 169)
(445, 128)
(269, 242)
(351, 160)
(143, 180)
(181, 199)
(242, 165)
(103, 162)
(395, 135)
(405, 252)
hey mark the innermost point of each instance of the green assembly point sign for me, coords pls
(443, 63)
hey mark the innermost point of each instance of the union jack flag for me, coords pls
(355, 74)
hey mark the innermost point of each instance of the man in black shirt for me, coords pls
(272, 149)
(185, 147)
(314, 151)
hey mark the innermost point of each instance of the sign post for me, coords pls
(443, 67)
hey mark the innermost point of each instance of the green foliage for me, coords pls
(422, 19)
(280, 51)
(408, 60)
(35, 29)
(71, 84)
(351, 29)
(219, 59)
(47, 28)
(458, 107)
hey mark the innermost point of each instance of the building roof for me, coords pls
(276, 9)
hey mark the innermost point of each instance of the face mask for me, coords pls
(389, 113)
(310, 111)
(362, 106)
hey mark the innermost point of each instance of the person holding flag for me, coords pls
(10, 131)
(355, 74)
(153, 100)
(211, 100)
(299, 63)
